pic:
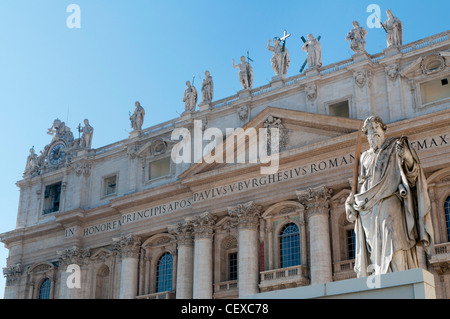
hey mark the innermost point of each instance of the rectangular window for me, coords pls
(435, 90)
(340, 109)
(350, 244)
(110, 185)
(159, 168)
(232, 266)
(52, 197)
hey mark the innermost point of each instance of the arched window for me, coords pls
(164, 273)
(447, 216)
(289, 246)
(44, 289)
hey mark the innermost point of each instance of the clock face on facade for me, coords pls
(57, 153)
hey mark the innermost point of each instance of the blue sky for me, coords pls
(146, 50)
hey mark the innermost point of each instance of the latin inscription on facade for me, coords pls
(137, 216)
(252, 183)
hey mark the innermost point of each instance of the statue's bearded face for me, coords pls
(375, 135)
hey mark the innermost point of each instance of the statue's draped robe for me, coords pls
(389, 225)
(314, 53)
(280, 60)
(137, 118)
(394, 32)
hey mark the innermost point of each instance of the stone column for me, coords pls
(185, 265)
(128, 247)
(316, 202)
(203, 226)
(71, 287)
(248, 268)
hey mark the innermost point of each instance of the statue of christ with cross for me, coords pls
(280, 58)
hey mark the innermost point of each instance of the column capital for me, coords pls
(12, 273)
(183, 232)
(128, 246)
(73, 255)
(248, 214)
(203, 225)
(316, 200)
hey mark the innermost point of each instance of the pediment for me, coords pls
(297, 129)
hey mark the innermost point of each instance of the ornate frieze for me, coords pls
(73, 256)
(12, 273)
(203, 225)
(247, 214)
(128, 246)
(316, 200)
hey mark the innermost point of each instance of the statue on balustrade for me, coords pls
(390, 206)
(245, 73)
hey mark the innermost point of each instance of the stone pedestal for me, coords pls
(391, 51)
(244, 93)
(205, 106)
(361, 56)
(134, 134)
(278, 81)
(312, 72)
(409, 284)
(186, 116)
(316, 202)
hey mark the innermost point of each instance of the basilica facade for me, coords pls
(126, 221)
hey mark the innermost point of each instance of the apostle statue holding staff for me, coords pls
(391, 207)
(245, 73)
(394, 30)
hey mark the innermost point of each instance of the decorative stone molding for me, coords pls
(12, 273)
(392, 71)
(203, 225)
(73, 256)
(158, 147)
(316, 201)
(248, 214)
(361, 77)
(274, 122)
(311, 92)
(432, 63)
(243, 113)
(84, 168)
(132, 150)
(102, 255)
(128, 246)
(230, 224)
